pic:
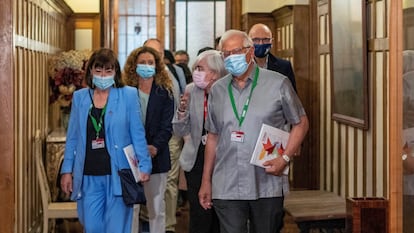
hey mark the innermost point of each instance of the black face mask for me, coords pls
(261, 50)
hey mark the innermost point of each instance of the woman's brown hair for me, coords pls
(161, 76)
(103, 58)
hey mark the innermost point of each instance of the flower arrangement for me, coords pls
(66, 72)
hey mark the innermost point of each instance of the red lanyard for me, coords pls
(205, 106)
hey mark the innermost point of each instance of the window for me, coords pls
(137, 23)
(198, 22)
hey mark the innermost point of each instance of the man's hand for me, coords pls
(275, 166)
(204, 195)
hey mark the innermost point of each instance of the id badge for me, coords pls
(98, 143)
(237, 136)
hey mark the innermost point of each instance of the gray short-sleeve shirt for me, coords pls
(273, 102)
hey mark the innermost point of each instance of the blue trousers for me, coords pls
(99, 210)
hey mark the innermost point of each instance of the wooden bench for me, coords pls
(316, 209)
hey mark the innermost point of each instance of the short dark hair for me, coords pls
(168, 54)
(181, 52)
(104, 58)
(204, 49)
(217, 41)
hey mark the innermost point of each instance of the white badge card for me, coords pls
(237, 136)
(98, 143)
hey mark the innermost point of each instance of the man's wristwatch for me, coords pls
(286, 158)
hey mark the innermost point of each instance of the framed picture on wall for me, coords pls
(349, 80)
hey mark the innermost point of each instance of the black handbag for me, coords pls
(132, 192)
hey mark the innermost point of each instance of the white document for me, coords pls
(270, 144)
(132, 160)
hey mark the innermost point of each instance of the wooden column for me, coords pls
(395, 113)
(233, 14)
(7, 184)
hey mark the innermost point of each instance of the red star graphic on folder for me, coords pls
(269, 147)
(281, 150)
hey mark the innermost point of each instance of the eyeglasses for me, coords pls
(262, 40)
(225, 53)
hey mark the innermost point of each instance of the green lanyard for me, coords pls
(97, 125)
(246, 104)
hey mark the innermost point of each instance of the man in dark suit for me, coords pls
(262, 39)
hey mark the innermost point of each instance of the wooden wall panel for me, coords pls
(354, 162)
(294, 37)
(40, 30)
(7, 177)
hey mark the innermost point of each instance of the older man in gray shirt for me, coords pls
(238, 105)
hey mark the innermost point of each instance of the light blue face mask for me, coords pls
(103, 83)
(145, 71)
(236, 64)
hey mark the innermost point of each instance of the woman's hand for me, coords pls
(66, 183)
(183, 102)
(144, 177)
(152, 150)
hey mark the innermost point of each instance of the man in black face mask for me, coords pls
(262, 39)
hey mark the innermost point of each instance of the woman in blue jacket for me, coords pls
(102, 122)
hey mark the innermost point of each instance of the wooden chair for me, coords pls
(51, 210)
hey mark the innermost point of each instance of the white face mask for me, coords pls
(199, 79)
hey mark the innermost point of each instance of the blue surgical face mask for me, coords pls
(103, 83)
(236, 64)
(261, 50)
(145, 71)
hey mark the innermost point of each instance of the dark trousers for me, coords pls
(408, 214)
(264, 215)
(201, 220)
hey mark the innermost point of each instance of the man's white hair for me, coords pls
(247, 42)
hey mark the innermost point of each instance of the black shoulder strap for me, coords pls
(174, 72)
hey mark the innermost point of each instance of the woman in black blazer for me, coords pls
(145, 71)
